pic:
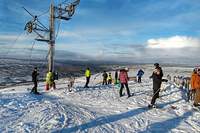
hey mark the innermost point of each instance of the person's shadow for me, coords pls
(167, 125)
(92, 88)
(104, 120)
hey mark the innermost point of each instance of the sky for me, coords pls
(111, 30)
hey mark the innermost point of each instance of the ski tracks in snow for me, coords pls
(96, 109)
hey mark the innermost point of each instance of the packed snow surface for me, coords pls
(97, 109)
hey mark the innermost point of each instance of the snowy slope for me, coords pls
(96, 109)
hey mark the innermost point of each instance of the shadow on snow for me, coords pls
(167, 125)
(116, 117)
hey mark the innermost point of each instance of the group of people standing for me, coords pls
(107, 78)
(50, 80)
(123, 79)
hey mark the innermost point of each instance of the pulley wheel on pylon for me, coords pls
(29, 27)
(70, 9)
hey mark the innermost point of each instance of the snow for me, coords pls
(98, 108)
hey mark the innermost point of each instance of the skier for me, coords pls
(87, 75)
(139, 75)
(55, 75)
(169, 77)
(50, 81)
(116, 77)
(35, 80)
(105, 76)
(196, 84)
(109, 79)
(175, 78)
(193, 89)
(123, 77)
(157, 80)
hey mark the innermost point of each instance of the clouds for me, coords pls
(114, 29)
(19, 40)
(172, 49)
(13, 37)
(174, 42)
(175, 49)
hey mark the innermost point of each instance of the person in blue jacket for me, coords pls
(139, 75)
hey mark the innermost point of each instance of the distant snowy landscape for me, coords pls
(99, 108)
(15, 71)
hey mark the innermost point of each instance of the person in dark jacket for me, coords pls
(55, 75)
(123, 77)
(105, 76)
(116, 77)
(35, 80)
(139, 75)
(157, 80)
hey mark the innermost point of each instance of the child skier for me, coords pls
(109, 79)
(139, 75)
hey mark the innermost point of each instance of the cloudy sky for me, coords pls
(120, 30)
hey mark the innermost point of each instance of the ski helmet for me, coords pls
(126, 68)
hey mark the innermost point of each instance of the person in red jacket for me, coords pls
(123, 77)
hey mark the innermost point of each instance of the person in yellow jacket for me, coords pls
(196, 85)
(109, 79)
(50, 81)
(87, 75)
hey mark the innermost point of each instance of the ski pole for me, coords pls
(156, 92)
